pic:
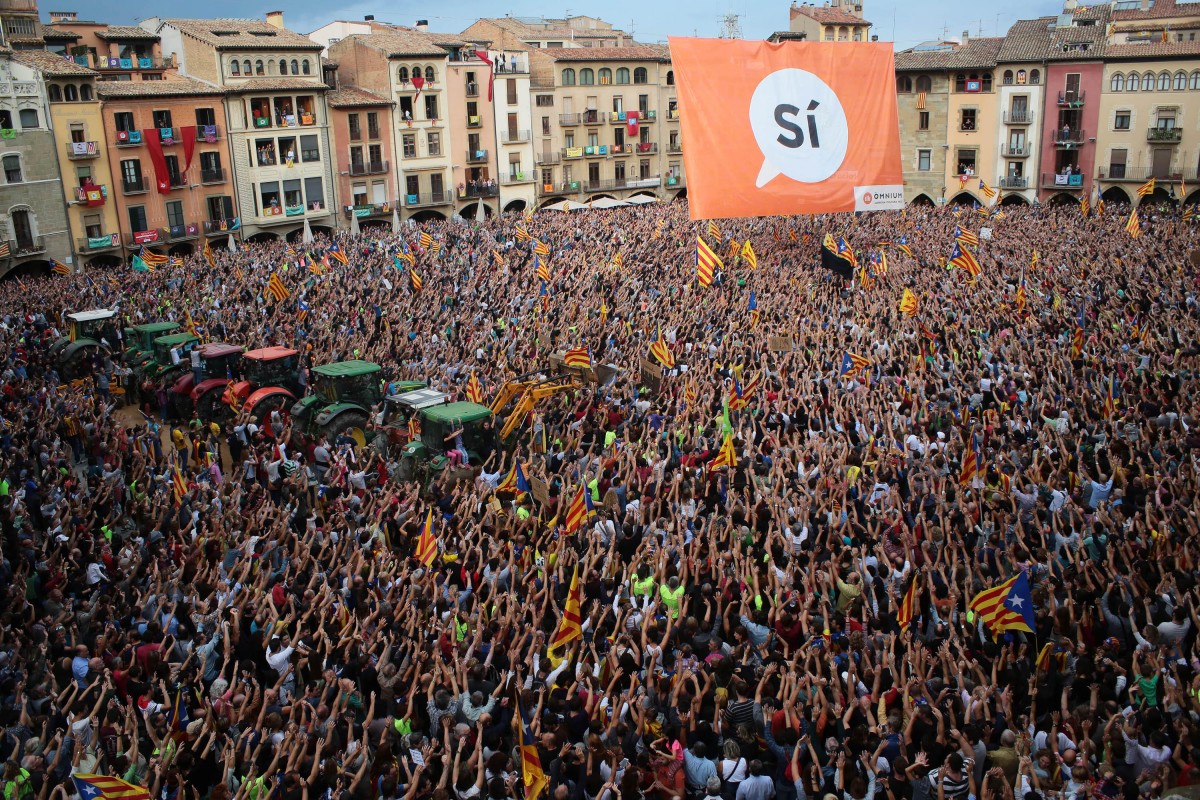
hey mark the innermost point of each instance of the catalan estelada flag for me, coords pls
(748, 255)
(1110, 397)
(427, 543)
(618, 260)
(1146, 188)
(714, 230)
(337, 254)
(909, 304)
(540, 248)
(570, 626)
(209, 255)
(276, 289)
(965, 260)
(103, 787)
(1007, 607)
(497, 258)
(179, 486)
(661, 351)
(577, 512)
(152, 258)
(904, 615)
(903, 247)
(59, 268)
(852, 364)
(1085, 206)
(1022, 298)
(966, 237)
(726, 456)
(972, 463)
(845, 251)
(988, 191)
(532, 775)
(474, 390)
(425, 239)
(707, 262)
(522, 233)
(541, 268)
(1134, 226)
(754, 312)
(578, 357)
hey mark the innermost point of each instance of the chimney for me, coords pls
(423, 25)
(275, 19)
(966, 38)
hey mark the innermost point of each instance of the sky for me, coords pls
(905, 22)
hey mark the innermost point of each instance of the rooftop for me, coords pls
(404, 43)
(351, 96)
(280, 84)
(1159, 9)
(1155, 49)
(242, 34)
(552, 29)
(632, 52)
(127, 33)
(1076, 42)
(1027, 40)
(172, 87)
(51, 65)
(975, 54)
(828, 15)
(50, 32)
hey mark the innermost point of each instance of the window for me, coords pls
(1180, 82)
(70, 94)
(1116, 83)
(640, 75)
(966, 161)
(593, 138)
(205, 116)
(1165, 121)
(1116, 163)
(355, 128)
(409, 142)
(1164, 81)
(569, 139)
(1148, 82)
(173, 174)
(967, 123)
(619, 170)
(54, 93)
(433, 141)
(1022, 77)
(246, 67)
(618, 104)
(568, 77)
(670, 77)
(1135, 82)
(235, 68)
(436, 184)
(29, 118)
(987, 81)
(295, 67)
(843, 34)
(310, 150)
(1008, 77)
(622, 75)
(6, 119)
(545, 126)
(85, 92)
(402, 74)
(304, 67)
(587, 77)
(904, 84)
(372, 125)
(220, 207)
(356, 158)
(1121, 120)
(268, 196)
(960, 82)
(644, 168)
(137, 218)
(283, 66)
(412, 185)
(258, 68)
(291, 193)
(923, 120)
(162, 119)
(605, 75)
(547, 100)
(924, 160)
(1194, 81)
(210, 167)
(857, 34)
(1035, 76)
(510, 91)
(12, 169)
(175, 214)
(431, 106)
(131, 174)
(924, 84)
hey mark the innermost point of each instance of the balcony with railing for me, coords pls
(645, 148)
(516, 178)
(1063, 183)
(1164, 135)
(572, 152)
(676, 181)
(1014, 182)
(477, 156)
(428, 199)
(672, 114)
(1071, 99)
(372, 131)
(675, 147)
(1069, 137)
(593, 117)
(475, 122)
(569, 119)
(1125, 172)
(92, 195)
(129, 139)
(150, 236)
(183, 232)
(208, 134)
(81, 151)
(97, 244)
(368, 167)
(107, 63)
(355, 134)
(1014, 150)
(1018, 117)
(472, 90)
(177, 181)
(478, 189)
(547, 158)
(367, 210)
(513, 136)
(214, 175)
(221, 225)
(136, 186)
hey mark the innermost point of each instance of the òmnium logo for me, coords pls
(878, 198)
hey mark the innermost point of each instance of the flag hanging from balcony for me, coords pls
(483, 56)
(188, 132)
(632, 119)
(418, 82)
(153, 140)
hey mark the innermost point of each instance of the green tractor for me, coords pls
(341, 400)
(169, 360)
(426, 456)
(139, 341)
(88, 336)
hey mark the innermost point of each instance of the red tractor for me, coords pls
(272, 382)
(219, 363)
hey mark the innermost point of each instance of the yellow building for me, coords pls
(833, 21)
(81, 150)
(972, 121)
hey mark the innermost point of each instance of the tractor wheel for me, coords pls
(350, 423)
(210, 408)
(79, 365)
(278, 402)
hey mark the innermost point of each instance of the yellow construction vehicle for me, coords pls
(531, 387)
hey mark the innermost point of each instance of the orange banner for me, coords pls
(790, 128)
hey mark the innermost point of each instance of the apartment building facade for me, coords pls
(279, 143)
(361, 126)
(833, 21)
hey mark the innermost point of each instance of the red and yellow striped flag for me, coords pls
(570, 626)
(427, 544)
(474, 390)
(707, 262)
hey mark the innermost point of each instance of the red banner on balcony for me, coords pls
(631, 123)
(145, 237)
(154, 145)
(798, 128)
(483, 56)
(189, 145)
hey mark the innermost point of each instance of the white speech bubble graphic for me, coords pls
(800, 127)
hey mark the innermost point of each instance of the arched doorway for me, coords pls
(471, 210)
(428, 215)
(1014, 200)
(1115, 194)
(515, 206)
(1159, 196)
(376, 227)
(320, 230)
(550, 201)
(1192, 198)
(682, 194)
(263, 237)
(183, 250)
(963, 199)
(921, 200)
(1062, 199)
(107, 261)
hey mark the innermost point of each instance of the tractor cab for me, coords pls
(220, 360)
(399, 408)
(140, 339)
(90, 324)
(341, 400)
(90, 332)
(438, 425)
(170, 354)
(347, 382)
(272, 366)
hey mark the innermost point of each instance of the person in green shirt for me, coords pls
(643, 582)
(671, 594)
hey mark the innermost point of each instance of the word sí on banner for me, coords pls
(799, 128)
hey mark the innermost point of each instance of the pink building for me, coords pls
(1071, 119)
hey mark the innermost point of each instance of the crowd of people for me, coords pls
(266, 630)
